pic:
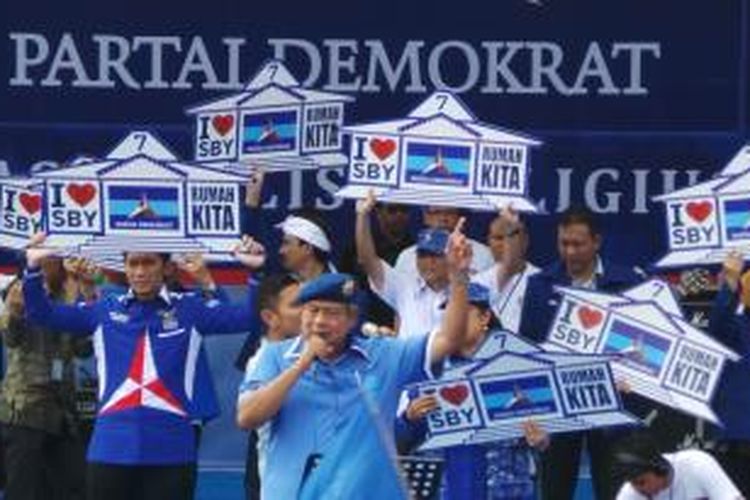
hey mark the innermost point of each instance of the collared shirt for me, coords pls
(481, 258)
(590, 284)
(419, 307)
(507, 304)
(321, 402)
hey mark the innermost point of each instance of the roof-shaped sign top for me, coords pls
(443, 103)
(273, 72)
(141, 142)
(440, 154)
(739, 163)
(274, 123)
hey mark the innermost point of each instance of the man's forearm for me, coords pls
(454, 321)
(366, 253)
(262, 404)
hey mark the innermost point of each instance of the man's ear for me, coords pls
(268, 317)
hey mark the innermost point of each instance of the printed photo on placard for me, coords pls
(143, 207)
(637, 347)
(269, 132)
(519, 396)
(737, 220)
(438, 164)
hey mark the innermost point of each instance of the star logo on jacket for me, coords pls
(143, 387)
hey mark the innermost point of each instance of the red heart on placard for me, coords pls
(589, 317)
(698, 211)
(32, 203)
(383, 148)
(455, 394)
(81, 193)
(223, 123)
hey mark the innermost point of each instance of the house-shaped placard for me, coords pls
(21, 211)
(274, 123)
(654, 349)
(141, 197)
(440, 154)
(562, 392)
(707, 220)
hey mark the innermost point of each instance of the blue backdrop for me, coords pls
(631, 98)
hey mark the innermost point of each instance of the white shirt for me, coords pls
(507, 304)
(419, 307)
(696, 476)
(481, 258)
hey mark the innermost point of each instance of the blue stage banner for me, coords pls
(630, 98)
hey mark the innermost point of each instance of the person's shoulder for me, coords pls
(551, 274)
(627, 492)
(693, 458)
(619, 274)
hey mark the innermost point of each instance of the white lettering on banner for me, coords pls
(111, 61)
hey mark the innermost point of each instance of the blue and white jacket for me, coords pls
(148, 364)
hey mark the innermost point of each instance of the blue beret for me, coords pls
(334, 287)
(432, 241)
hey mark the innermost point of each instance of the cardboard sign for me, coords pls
(273, 123)
(440, 154)
(21, 211)
(707, 220)
(139, 197)
(489, 398)
(652, 346)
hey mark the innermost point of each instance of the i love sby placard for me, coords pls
(653, 348)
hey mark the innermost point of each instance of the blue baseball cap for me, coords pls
(432, 241)
(479, 295)
(333, 287)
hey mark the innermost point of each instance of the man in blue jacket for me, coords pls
(730, 324)
(578, 244)
(147, 345)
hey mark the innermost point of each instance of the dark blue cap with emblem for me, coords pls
(479, 295)
(333, 287)
(432, 241)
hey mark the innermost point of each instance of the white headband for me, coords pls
(305, 230)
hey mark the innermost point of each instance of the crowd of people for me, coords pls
(392, 311)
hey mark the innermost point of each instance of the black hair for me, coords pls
(580, 215)
(270, 288)
(638, 454)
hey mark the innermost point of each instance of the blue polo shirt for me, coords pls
(322, 401)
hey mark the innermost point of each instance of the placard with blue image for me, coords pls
(737, 219)
(143, 207)
(519, 396)
(637, 347)
(438, 164)
(269, 132)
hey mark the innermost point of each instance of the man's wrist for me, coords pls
(460, 278)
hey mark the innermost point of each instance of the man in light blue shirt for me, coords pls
(306, 388)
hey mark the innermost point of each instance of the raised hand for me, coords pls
(365, 205)
(195, 265)
(420, 407)
(250, 253)
(732, 269)
(535, 435)
(36, 253)
(254, 188)
(458, 252)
